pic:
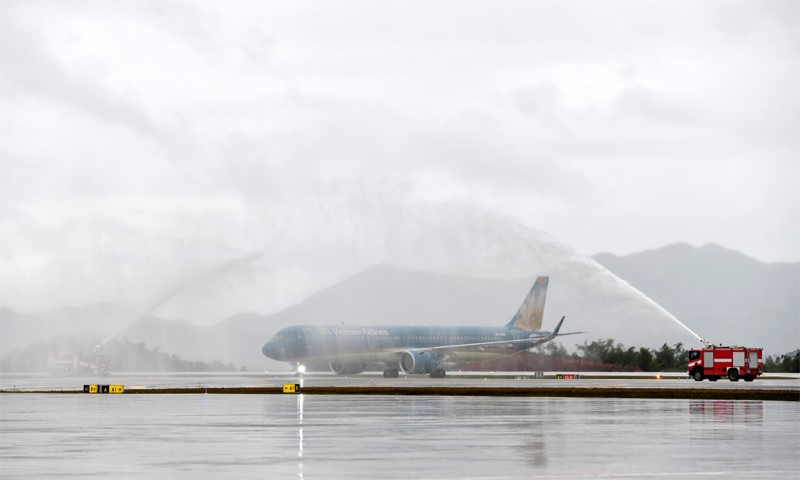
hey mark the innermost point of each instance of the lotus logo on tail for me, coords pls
(530, 313)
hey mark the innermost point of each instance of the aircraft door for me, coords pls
(312, 340)
(372, 341)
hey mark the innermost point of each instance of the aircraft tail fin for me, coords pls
(530, 313)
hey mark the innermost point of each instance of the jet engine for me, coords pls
(347, 368)
(417, 361)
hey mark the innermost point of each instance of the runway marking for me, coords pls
(737, 473)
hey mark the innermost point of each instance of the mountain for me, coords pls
(721, 294)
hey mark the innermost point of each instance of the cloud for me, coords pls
(30, 69)
(136, 144)
(185, 21)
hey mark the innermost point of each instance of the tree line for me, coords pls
(788, 362)
(602, 354)
(125, 356)
(663, 359)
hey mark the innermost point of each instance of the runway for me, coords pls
(661, 385)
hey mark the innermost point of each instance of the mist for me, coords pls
(193, 163)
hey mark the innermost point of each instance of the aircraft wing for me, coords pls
(535, 340)
(391, 354)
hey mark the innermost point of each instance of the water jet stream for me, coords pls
(641, 296)
(181, 286)
(593, 265)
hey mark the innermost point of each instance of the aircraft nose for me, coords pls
(270, 350)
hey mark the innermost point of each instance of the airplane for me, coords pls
(414, 349)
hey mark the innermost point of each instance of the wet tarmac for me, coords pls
(338, 437)
(454, 379)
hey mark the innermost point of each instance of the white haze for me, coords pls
(144, 143)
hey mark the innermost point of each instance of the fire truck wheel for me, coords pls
(713, 378)
(748, 379)
(698, 376)
(733, 375)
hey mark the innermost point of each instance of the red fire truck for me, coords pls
(75, 364)
(713, 362)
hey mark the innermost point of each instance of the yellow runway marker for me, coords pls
(291, 388)
(103, 388)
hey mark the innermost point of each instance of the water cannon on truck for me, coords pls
(73, 364)
(716, 361)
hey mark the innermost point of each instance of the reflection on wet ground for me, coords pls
(302, 436)
(726, 411)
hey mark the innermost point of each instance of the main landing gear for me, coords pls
(394, 373)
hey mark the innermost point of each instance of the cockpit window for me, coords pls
(288, 335)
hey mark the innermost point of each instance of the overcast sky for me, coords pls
(142, 143)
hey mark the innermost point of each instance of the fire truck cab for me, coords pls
(713, 362)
